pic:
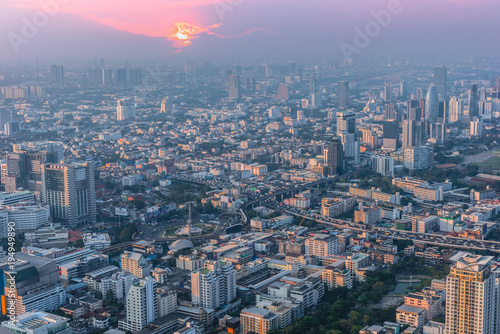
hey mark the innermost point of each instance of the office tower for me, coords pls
(141, 305)
(121, 76)
(476, 127)
(15, 175)
(419, 93)
(443, 116)
(166, 105)
(383, 165)
(497, 86)
(351, 147)
(136, 264)
(417, 157)
(37, 286)
(403, 89)
(258, 320)
(234, 86)
(125, 109)
(135, 76)
(471, 306)
(214, 285)
(456, 109)
(387, 96)
(413, 110)
(473, 102)
(107, 77)
(5, 117)
(69, 189)
(346, 122)
(431, 105)
(437, 133)
(335, 157)
(343, 94)
(413, 133)
(316, 100)
(56, 73)
(312, 84)
(440, 81)
(390, 135)
(391, 111)
(282, 93)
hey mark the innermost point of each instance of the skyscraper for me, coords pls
(387, 91)
(346, 122)
(471, 306)
(413, 133)
(413, 110)
(403, 89)
(234, 86)
(166, 105)
(440, 81)
(473, 102)
(56, 73)
(456, 109)
(214, 285)
(431, 105)
(335, 157)
(343, 94)
(69, 189)
(125, 109)
(142, 305)
(312, 84)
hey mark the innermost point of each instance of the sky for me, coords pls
(246, 29)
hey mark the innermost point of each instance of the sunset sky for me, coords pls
(147, 28)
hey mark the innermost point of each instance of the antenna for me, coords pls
(189, 222)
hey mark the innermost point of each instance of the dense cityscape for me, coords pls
(244, 195)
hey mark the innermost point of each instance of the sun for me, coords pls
(183, 34)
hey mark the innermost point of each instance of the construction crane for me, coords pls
(295, 233)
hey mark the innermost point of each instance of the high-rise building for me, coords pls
(346, 122)
(166, 105)
(476, 127)
(334, 154)
(282, 93)
(343, 94)
(387, 95)
(473, 102)
(471, 291)
(37, 286)
(321, 245)
(431, 105)
(437, 133)
(141, 305)
(413, 110)
(234, 86)
(136, 264)
(440, 81)
(56, 73)
(413, 133)
(69, 189)
(383, 165)
(214, 285)
(455, 110)
(351, 147)
(258, 320)
(391, 111)
(125, 109)
(418, 157)
(390, 135)
(403, 89)
(312, 84)
(121, 76)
